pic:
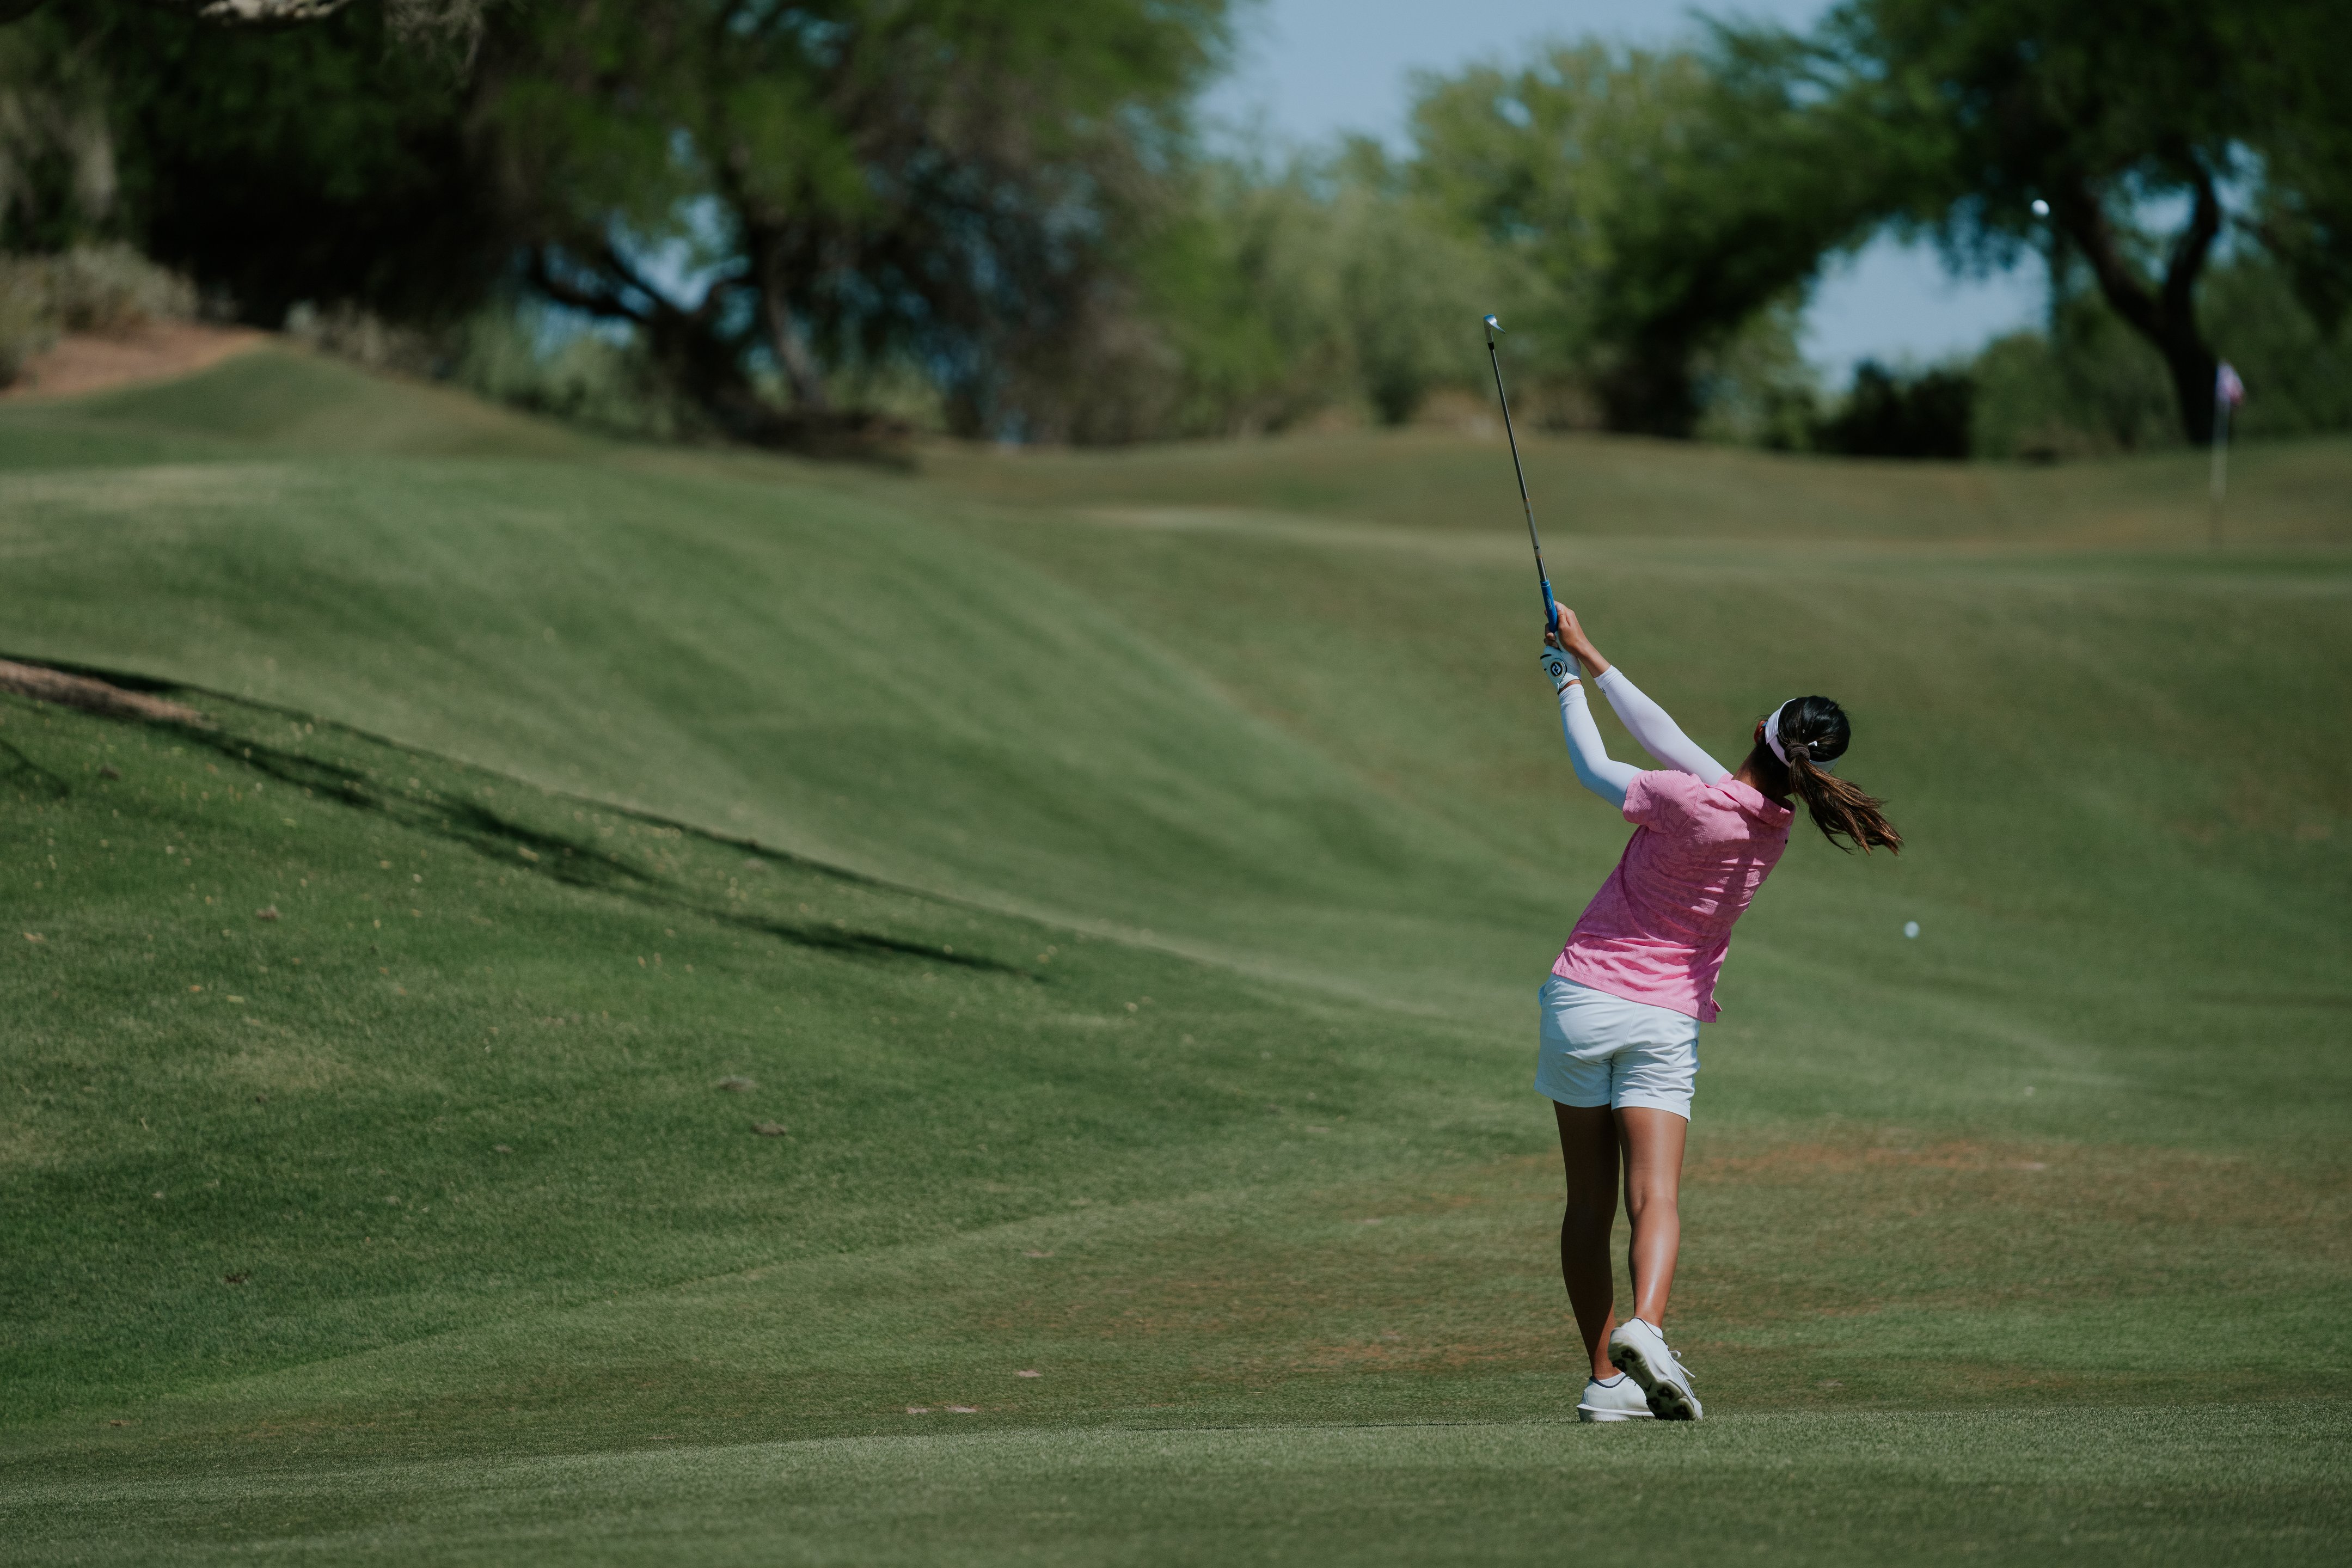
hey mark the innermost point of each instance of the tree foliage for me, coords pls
(2118, 114)
(773, 189)
(770, 193)
(311, 163)
(1669, 198)
(434, 22)
(2088, 385)
(1322, 282)
(1890, 416)
(995, 211)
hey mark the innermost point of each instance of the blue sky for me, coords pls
(1310, 68)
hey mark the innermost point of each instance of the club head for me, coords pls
(1492, 325)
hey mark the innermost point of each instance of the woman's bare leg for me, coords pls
(1588, 1149)
(1653, 1141)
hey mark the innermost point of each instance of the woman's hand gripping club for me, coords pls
(1565, 647)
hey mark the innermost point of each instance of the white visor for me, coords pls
(1772, 739)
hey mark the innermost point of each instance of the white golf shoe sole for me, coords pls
(1670, 1398)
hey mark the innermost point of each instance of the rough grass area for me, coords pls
(688, 1008)
(2213, 1483)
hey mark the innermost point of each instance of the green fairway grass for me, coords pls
(671, 982)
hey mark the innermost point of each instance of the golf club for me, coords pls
(1551, 611)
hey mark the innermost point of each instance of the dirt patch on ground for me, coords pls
(92, 695)
(1936, 1235)
(81, 363)
(2178, 1191)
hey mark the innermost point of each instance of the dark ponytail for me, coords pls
(1814, 733)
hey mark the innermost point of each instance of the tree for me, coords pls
(1669, 197)
(1889, 415)
(432, 20)
(1276, 291)
(2130, 119)
(766, 193)
(314, 163)
(766, 190)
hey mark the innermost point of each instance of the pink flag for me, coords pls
(2227, 387)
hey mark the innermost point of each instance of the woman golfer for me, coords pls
(1622, 1010)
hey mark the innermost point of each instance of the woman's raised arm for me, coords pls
(1650, 725)
(1595, 770)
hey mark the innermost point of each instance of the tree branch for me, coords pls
(609, 257)
(2166, 317)
(563, 291)
(765, 250)
(714, 297)
(2084, 217)
(2190, 251)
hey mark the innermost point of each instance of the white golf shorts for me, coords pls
(1597, 1049)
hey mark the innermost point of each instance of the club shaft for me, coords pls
(1542, 576)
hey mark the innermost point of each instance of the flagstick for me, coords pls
(2220, 462)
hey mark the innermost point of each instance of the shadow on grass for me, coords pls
(29, 776)
(513, 843)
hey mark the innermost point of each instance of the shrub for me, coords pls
(532, 358)
(1890, 416)
(2298, 374)
(2091, 388)
(109, 289)
(25, 327)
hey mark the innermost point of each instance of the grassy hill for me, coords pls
(1118, 882)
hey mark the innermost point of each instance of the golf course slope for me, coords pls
(688, 1007)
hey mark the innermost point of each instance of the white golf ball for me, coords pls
(2041, 207)
(1911, 929)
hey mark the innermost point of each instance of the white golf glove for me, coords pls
(1560, 666)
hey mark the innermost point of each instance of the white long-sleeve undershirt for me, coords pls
(1648, 724)
(1609, 780)
(1654, 732)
